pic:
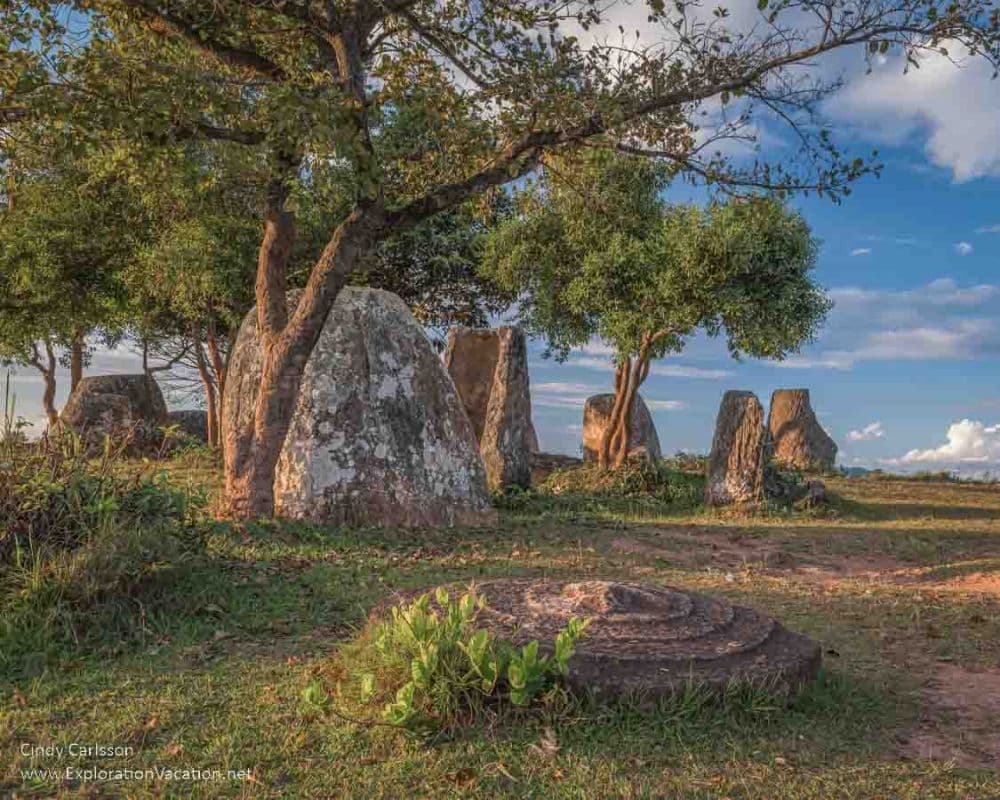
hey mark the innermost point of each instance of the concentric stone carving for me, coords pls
(649, 641)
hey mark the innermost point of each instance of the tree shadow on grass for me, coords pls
(890, 510)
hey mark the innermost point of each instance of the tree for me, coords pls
(434, 268)
(65, 235)
(192, 284)
(428, 103)
(597, 252)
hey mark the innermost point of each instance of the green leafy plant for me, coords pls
(427, 666)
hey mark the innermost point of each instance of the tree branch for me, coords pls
(234, 56)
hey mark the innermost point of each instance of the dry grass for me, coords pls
(898, 581)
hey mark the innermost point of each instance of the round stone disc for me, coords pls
(646, 641)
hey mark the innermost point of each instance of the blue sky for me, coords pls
(910, 348)
(904, 374)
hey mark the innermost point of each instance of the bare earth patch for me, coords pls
(960, 721)
(688, 547)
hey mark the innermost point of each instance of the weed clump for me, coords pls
(83, 544)
(428, 668)
(637, 478)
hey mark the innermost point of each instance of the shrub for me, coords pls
(688, 462)
(427, 666)
(53, 498)
(637, 478)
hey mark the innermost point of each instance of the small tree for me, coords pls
(65, 235)
(596, 252)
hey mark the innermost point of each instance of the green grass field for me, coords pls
(899, 580)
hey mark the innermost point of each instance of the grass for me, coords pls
(254, 617)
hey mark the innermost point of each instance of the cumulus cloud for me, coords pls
(967, 441)
(954, 108)
(664, 405)
(861, 251)
(841, 361)
(559, 394)
(963, 248)
(663, 370)
(869, 433)
(941, 320)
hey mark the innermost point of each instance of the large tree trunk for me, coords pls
(629, 376)
(251, 455)
(76, 360)
(607, 439)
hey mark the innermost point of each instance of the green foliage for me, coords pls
(427, 667)
(84, 546)
(435, 267)
(595, 251)
(53, 498)
(64, 241)
(688, 462)
(638, 478)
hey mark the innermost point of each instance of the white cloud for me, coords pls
(869, 433)
(841, 361)
(961, 339)
(595, 347)
(680, 371)
(989, 229)
(560, 386)
(963, 248)
(861, 251)
(664, 405)
(663, 370)
(968, 440)
(940, 320)
(956, 108)
(557, 394)
(939, 292)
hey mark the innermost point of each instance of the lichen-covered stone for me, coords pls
(127, 409)
(378, 436)
(739, 451)
(490, 370)
(643, 440)
(192, 422)
(798, 440)
(646, 642)
(508, 436)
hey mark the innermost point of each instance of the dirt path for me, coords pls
(961, 720)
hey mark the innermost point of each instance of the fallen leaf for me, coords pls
(548, 744)
(464, 777)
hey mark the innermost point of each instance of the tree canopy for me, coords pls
(596, 251)
(66, 234)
